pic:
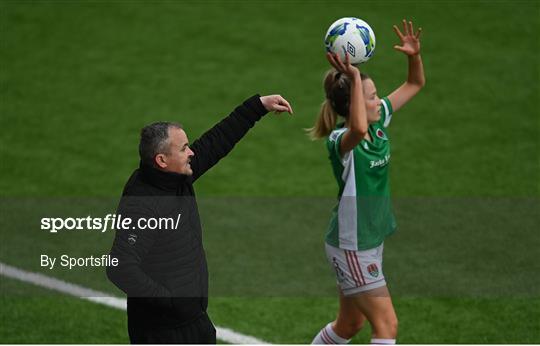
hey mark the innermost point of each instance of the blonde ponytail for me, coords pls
(326, 122)
(337, 88)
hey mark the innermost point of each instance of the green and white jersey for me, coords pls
(363, 217)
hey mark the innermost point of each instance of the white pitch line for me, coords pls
(225, 334)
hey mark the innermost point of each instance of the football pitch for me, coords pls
(79, 79)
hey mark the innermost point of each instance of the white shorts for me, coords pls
(357, 271)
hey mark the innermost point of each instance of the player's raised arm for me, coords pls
(410, 46)
(358, 124)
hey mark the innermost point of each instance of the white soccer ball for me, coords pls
(351, 35)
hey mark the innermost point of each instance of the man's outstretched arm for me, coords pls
(217, 142)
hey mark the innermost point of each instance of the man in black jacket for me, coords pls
(162, 267)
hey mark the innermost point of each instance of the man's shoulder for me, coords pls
(135, 192)
(141, 197)
(136, 186)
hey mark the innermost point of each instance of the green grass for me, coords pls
(421, 320)
(35, 315)
(79, 79)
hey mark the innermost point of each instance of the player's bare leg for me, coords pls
(350, 319)
(348, 323)
(376, 305)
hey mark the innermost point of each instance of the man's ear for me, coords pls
(161, 160)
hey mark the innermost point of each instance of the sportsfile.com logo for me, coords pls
(110, 221)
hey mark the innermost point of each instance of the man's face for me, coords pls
(179, 155)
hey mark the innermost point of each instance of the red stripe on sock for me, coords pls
(327, 337)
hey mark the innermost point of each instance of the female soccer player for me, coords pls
(359, 152)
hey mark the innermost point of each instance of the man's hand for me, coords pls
(410, 41)
(276, 103)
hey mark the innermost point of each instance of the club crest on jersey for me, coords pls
(380, 133)
(373, 270)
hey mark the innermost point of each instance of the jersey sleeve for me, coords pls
(386, 112)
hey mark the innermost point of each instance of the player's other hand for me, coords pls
(410, 41)
(276, 103)
(343, 67)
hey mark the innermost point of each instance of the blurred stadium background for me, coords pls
(78, 79)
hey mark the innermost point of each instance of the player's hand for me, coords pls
(276, 103)
(343, 67)
(410, 41)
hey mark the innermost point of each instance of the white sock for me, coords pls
(328, 336)
(383, 341)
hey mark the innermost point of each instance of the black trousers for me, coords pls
(200, 331)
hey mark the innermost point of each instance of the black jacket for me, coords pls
(164, 272)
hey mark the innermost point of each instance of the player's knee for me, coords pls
(356, 326)
(386, 328)
(393, 326)
(350, 328)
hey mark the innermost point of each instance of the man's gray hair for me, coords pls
(155, 140)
